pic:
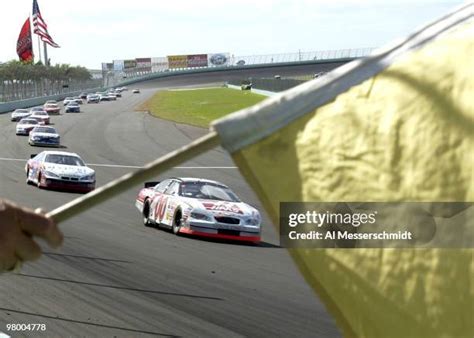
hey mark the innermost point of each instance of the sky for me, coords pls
(91, 32)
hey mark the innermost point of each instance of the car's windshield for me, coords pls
(204, 190)
(48, 130)
(40, 113)
(64, 159)
(29, 121)
(21, 111)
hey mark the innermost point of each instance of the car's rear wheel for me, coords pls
(28, 176)
(146, 214)
(177, 222)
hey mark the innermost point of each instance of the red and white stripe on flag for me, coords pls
(40, 27)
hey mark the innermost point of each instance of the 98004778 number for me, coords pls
(25, 327)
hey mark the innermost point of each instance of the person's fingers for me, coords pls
(36, 224)
(56, 236)
(26, 248)
(8, 262)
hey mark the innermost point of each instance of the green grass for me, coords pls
(199, 107)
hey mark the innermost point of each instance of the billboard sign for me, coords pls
(219, 59)
(177, 61)
(143, 64)
(130, 64)
(118, 65)
(159, 64)
(197, 60)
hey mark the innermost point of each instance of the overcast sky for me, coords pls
(91, 32)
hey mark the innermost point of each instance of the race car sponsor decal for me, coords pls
(222, 206)
(161, 208)
(169, 212)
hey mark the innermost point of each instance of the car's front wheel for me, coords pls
(38, 183)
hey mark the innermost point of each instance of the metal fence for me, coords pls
(21, 90)
(300, 56)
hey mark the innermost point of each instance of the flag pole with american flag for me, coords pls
(41, 29)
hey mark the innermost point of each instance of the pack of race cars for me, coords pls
(54, 169)
(193, 206)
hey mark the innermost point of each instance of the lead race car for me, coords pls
(198, 207)
(59, 170)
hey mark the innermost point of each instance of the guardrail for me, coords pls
(21, 90)
(6, 107)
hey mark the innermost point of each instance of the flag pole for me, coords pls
(39, 47)
(150, 170)
(46, 61)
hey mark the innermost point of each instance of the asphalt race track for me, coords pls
(115, 277)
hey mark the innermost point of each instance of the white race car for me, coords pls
(67, 100)
(59, 170)
(199, 207)
(25, 126)
(93, 98)
(18, 114)
(41, 116)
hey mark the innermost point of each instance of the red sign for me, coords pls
(24, 45)
(198, 60)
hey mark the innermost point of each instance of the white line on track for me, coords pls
(118, 165)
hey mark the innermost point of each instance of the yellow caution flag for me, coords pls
(397, 126)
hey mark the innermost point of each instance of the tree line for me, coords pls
(19, 71)
(21, 80)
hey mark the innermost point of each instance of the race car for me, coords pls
(39, 108)
(78, 99)
(41, 116)
(93, 98)
(51, 108)
(198, 207)
(18, 114)
(72, 107)
(136, 91)
(103, 96)
(25, 126)
(44, 136)
(59, 170)
(67, 100)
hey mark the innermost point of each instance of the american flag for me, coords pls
(40, 28)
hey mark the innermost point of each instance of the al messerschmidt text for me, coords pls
(384, 235)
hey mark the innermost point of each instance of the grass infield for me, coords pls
(200, 106)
